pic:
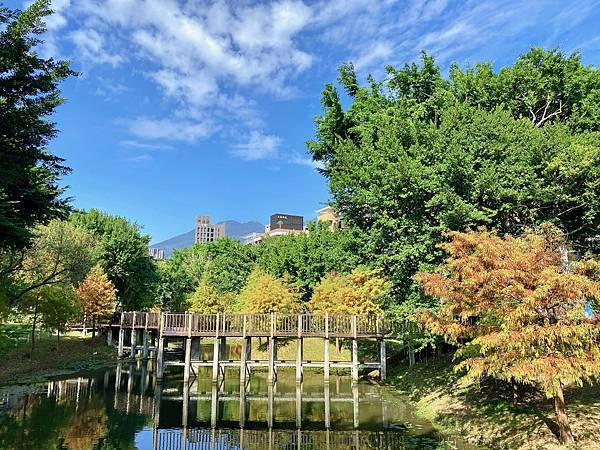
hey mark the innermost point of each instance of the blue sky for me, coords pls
(189, 107)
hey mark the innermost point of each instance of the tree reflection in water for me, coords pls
(125, 408)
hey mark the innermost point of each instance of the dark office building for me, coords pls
(286, 222)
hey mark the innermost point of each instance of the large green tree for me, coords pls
(304, 259)
(222, 266)
(417, 155)
(122, 251)
(29, 94)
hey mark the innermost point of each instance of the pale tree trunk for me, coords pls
(35, 313)
(566, 435)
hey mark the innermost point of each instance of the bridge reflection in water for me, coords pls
(256, 415)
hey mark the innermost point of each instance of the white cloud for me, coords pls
(304, 161)
(258, 146)
(145, 145)
(91, 46)
(171, 129)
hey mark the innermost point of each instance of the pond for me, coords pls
(125, 408)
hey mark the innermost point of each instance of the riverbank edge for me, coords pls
(488, 419)
(75, 353)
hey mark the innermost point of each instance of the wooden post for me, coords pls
(145, 349)
(382, 360)
(299, 351)
(243, 356)
(272, 344)
(326, 351)
(188, 352)
(215, 371)
(355, 409)
(354, 352)
(214, 406)
(298, 406)
(327, 405)
(270, 406)
(109, 337)
(161, 348)
(133, 336)
(121, 339)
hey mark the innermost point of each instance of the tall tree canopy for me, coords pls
(123, 254)
(304, 259)
(29, 95)
(417, 155)
(520, 310)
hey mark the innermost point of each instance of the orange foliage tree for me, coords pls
(518, 310)
(97, 296)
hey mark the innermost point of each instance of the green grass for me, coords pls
(484, 414)
(74, 352)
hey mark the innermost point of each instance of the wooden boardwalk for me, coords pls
(148, 334)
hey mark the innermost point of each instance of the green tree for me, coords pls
(304, 259)
(417, 155)
(225, 264)
(265, 293)
(58, 308)
(123, 253)
(29, 95)
(60, 253)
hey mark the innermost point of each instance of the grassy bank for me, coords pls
(73, 352)
(484, 414)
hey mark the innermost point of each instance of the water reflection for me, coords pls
(125, 408)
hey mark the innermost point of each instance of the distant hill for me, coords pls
(233, 229)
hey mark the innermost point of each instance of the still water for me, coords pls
(124, 408)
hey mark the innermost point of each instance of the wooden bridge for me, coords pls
(148, 334)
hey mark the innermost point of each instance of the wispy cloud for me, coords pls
(146, 145)
(258, 146)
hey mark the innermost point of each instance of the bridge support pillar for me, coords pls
(133, 343)
(299, 358)
(326, 360)
(272, 357)
(354, 361)
(382, 360)
(160, 357)
(145, 345)
(121, 339)
(215, 367)
(109, 337)
(188, 360)
(243, 361)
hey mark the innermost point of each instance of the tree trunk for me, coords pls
(93, 328)
(515, 392)
(57, 338)
(566, 435)
(35, 312)
(338, 346)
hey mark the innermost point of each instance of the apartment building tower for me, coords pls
(207, 231)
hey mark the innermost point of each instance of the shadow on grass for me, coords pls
(485, 412)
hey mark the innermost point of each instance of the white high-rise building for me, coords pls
(207, 231)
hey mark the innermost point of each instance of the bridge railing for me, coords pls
(235, 324)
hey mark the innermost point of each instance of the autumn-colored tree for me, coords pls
(97, 296)
(520, 310)
(207, 300)
(265, 293)
(360, 292)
